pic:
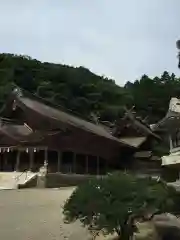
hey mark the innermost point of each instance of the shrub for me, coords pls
(111, 204)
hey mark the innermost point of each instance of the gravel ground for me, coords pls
(36, 214)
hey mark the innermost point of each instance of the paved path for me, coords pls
(36, 214)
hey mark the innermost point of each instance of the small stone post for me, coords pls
(41, 179)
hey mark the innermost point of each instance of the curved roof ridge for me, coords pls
(51, 104)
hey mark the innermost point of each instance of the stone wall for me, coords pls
(147, 167)
(30, 184)
(55, 180)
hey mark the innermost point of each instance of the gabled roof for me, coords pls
(132, 126)
(145, 128)
(26, 100)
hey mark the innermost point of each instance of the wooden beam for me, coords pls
(97, 165)
(31, 157)
(46, 155)
(74, 162)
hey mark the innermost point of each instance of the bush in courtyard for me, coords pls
(113, 203)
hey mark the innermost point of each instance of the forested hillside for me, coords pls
(84, 92)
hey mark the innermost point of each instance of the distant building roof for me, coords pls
(172, 119)
(133, 141)
(145, 128)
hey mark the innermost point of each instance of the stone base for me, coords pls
(41, 182)
(171, 159)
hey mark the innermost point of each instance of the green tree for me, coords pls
(78, 89)
(112, 204)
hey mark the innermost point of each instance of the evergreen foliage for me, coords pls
(82, 91)
(113, 203)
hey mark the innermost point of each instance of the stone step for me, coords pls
(11, 180)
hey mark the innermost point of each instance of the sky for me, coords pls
(120, 39)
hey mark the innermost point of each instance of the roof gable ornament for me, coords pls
(94, 118)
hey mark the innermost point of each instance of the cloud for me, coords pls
(120, 39)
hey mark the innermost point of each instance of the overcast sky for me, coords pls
(121, 39)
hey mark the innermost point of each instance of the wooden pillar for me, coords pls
(17, 160)
(87, 158)
(46, 160)
(59, 161)
(106, 171)
(31, 158)
(97, 165)
(5, 161)
(170, 143)
(2, 161)
(74, 162)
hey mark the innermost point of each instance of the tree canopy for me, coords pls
(115, 202)
(80, 90)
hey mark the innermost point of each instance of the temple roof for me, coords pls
(11, 134)
(171, 121)
(23, 132)
(31, 103)
(139, 125)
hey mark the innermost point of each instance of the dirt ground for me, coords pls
(36, 214)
